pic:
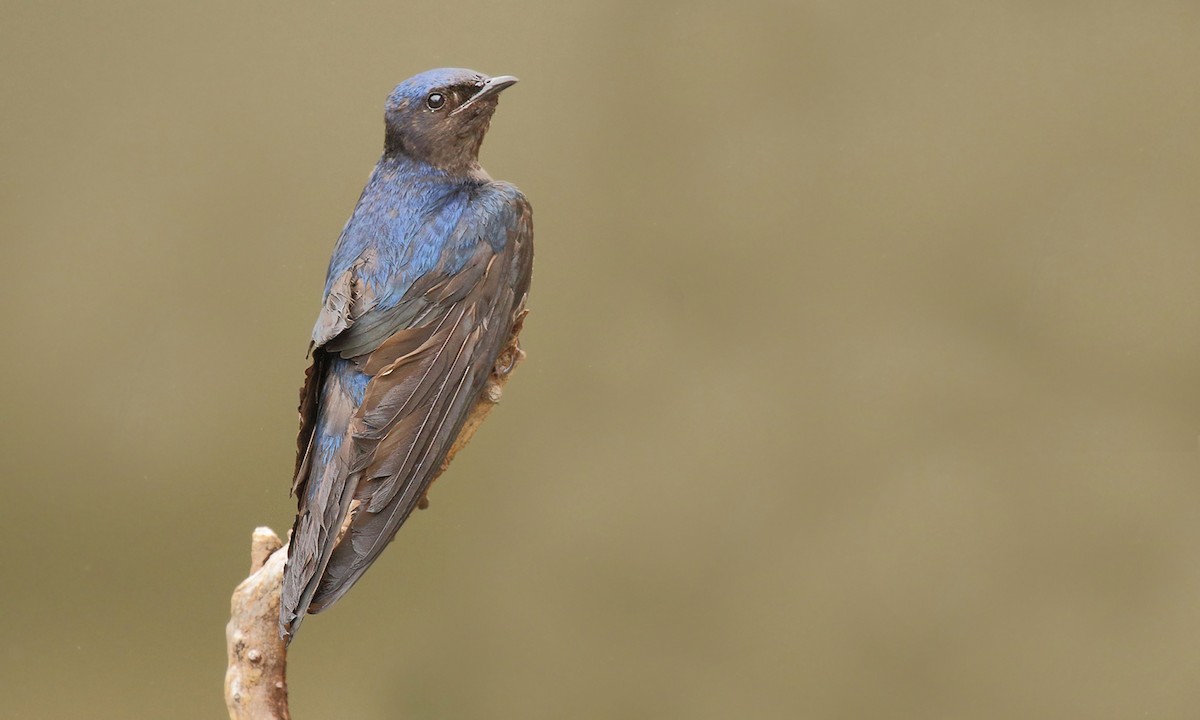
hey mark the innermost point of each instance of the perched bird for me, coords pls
(426, 288)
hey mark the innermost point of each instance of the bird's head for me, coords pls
(440, 117)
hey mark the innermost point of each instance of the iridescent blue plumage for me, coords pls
(424, 288)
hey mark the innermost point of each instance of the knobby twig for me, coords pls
(256, 677)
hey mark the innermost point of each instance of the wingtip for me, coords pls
(288, 626)
(287, 633)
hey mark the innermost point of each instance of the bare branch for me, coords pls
(256, 678)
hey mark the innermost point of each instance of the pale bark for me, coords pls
(256, 678)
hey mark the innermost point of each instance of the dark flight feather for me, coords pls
(419, 397)
(424, 377)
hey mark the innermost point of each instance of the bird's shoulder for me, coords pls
(502, 191)
(382, 256)
(499, 210)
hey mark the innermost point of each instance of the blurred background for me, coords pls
(862, 376)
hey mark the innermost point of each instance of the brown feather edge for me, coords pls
(508, 359)
(308, 418)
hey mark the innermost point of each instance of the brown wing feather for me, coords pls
(429, 358)
(308, 420)
(425, 381)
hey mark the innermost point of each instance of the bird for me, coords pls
(426, 289)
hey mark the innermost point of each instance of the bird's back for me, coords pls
(423, 289)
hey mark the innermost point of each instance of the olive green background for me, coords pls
(863, 376)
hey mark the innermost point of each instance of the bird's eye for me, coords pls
(435, 101)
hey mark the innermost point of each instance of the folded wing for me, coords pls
(425, 361)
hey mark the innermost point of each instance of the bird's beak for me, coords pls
(490, 88)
